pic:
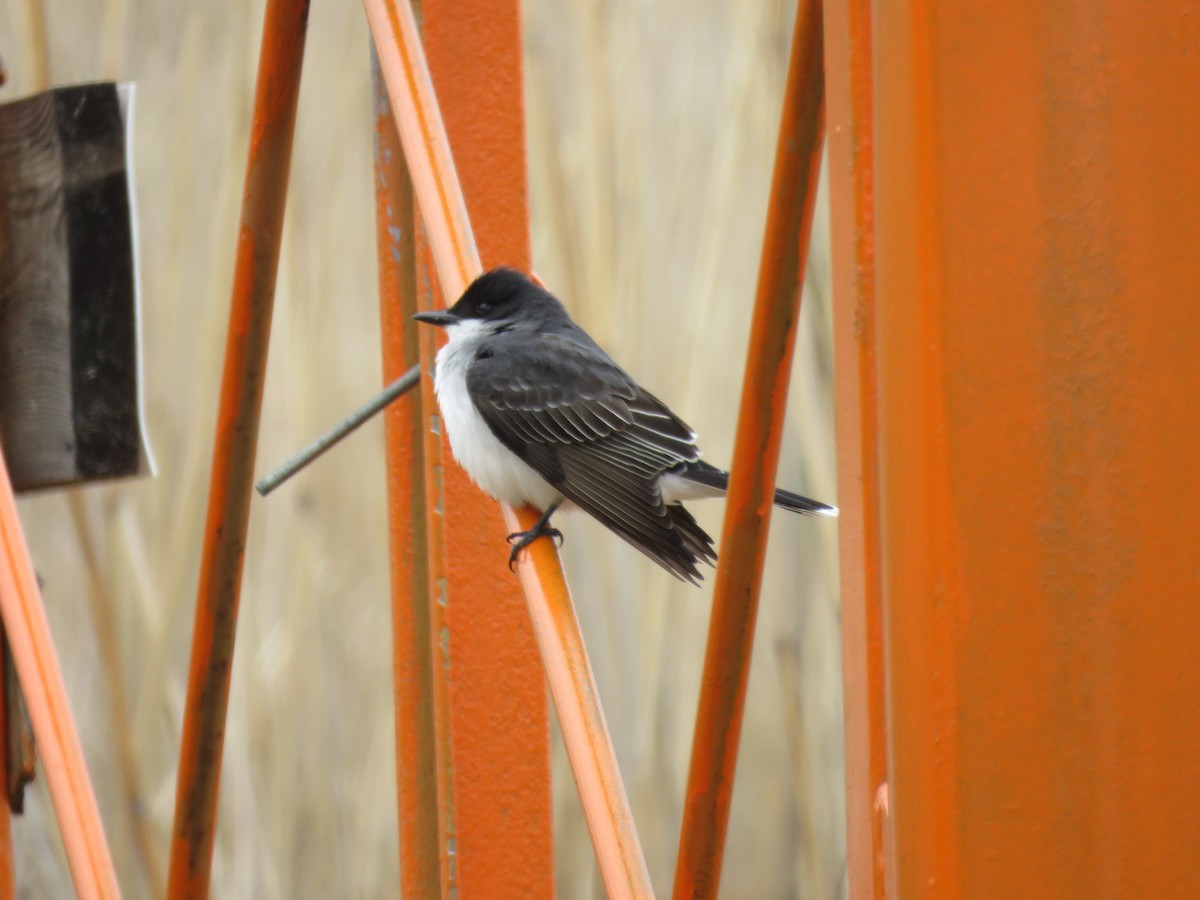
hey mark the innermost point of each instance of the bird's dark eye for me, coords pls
(482, 307)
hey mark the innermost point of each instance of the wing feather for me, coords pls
(585, 426)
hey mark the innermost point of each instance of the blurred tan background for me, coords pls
(651, 131)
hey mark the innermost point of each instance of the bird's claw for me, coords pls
(522, 539)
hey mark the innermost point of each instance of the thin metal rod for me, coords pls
(352, 422)
(755, 457)
(408, 541)
(577, 703)
(236, 438)
(41, 680)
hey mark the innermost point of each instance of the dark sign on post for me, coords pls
(69, 372)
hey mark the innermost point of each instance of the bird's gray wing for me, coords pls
(585, 426)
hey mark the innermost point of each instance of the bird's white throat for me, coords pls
(491, 465)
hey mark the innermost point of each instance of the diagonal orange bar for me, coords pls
(236, 438)
(416, 762)
(426, 147)
(490, 717)
(569, 674)
(49, 709)
(490, 708)
(755, 457)
(1037, 187)
(850, 93)
(438, 193)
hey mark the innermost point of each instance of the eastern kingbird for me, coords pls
(538, 414)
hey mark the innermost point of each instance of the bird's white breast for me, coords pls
(491, 465)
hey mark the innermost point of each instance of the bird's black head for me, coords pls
(505, 299)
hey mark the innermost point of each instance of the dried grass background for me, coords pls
(651, 131)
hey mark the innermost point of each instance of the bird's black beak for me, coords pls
(439, 317)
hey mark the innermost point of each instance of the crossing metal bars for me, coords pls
(493, 722)
(49, 709)
(433, 695)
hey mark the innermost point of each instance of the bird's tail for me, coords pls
(712, 477)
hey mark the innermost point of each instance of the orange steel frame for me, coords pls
(1036, 193)
(469, 684)
(36, 663)
(1009, 713)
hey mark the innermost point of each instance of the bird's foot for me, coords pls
(522, 539)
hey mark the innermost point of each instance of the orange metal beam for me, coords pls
(755, 457)
(236, 438)
(849, 92)
(500, 715)
(433, 482)
(494, 799)
(416, 761)
(573, 689)
(49, 709)
(1036, 195)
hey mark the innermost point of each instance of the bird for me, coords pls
(538, 414)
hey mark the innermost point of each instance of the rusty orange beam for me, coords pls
(755, 458)
(490, 709)
(434, 455)
(500, 716)
(416, 761)
(1037, 182)
(573, 689)
(236, 438)
(850, 94)
(41, 679)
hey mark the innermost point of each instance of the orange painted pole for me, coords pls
(489, 702)
(500, 714)
(850, 92)
(58, 744)
(236, 438)
(416, 761)
(573, 690)
(1038, 177)
(434, 459)
(755, 457)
